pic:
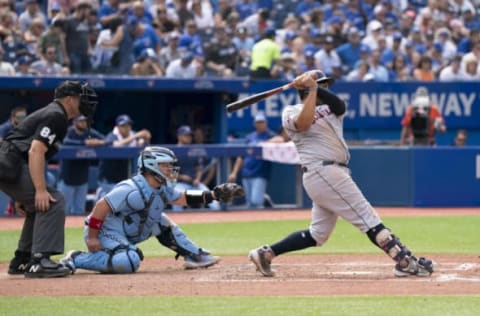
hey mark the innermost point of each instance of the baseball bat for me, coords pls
(243, 103)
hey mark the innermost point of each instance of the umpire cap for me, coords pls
(88, 96)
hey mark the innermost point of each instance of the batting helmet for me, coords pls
(149, 159)
(321, 78)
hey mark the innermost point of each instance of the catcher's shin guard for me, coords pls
(388, 242)
(175, 239)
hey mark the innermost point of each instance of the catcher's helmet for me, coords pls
(321, 78)
(88, 96)
(149, 159)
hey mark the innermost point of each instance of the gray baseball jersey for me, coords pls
(328, 184)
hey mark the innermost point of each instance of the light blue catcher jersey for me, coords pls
(136, 208)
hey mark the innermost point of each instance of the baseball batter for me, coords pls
(315, 126)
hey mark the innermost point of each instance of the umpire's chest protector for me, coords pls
(143, 210)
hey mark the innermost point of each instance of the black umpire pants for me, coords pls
(42, 231)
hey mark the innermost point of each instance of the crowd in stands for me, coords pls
(352, 40)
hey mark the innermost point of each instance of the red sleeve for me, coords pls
(408, 116)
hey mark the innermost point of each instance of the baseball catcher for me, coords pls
(133, 212)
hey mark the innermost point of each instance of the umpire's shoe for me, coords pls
(19, 263)
(42, 267)
(421, 267)
(262, 258)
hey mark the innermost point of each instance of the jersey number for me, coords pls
(45, 132)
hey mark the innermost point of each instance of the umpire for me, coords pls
(23, 155)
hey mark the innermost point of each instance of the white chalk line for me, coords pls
(445, 273)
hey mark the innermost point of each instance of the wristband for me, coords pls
(95, 223)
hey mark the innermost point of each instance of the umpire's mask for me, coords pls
(88, 97)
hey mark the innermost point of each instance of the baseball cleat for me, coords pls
(421, 267)
(203, 260)
(68, 261)
(262, 258)
(43, 267)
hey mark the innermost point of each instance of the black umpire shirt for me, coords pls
(48, 125)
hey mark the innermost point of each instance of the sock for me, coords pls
(295, 241)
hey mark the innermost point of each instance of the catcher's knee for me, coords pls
(125, 261)
(388, 242)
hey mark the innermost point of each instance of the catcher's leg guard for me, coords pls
(171, 236)
(388, 242)
(119, 260)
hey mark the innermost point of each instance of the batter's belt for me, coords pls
(328, 163)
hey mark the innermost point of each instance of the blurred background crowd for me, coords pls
(351, 40)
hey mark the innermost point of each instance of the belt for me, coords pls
(328, 163)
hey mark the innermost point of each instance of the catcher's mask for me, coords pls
(88, 97)
(151, 157)
(322, 81)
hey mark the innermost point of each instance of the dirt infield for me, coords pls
(296, 274)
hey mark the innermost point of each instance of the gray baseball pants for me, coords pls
(42, 231)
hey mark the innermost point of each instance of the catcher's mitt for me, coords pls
(225, 192)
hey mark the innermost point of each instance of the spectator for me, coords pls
(423, 71)
(47, 65)
(379, 72)
(264, 54)
(32, 35)
(170, 6)
(184, 68)
(254, 172)
(361, 73)
(171, 51)
(54, 37)
(191, 169)
(23, 66)
(221, 55)
(469, 57)
(471, 72)
(77, 43)
(73, 177)
(6, 68)
(147, 65)
(111, 171)
(105, 56)
(304, 7)
(32, 11)
(203, 18)
(244, 44)
(460, 138)
(121, 43)
(308, 62)
(258, 23)
(111, 9)
(452, 72)
(421, 121)
(466, 42)
(142, 15)
(183, 13)
(281, 137)
(399, 70)
(444, 38)
(143, 37)
(163, 23)
(285, 68)
(328, 60)
(349, 53)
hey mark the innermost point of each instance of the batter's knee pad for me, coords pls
(125, 260)
(388, 242)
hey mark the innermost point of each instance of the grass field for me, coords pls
(426, 235)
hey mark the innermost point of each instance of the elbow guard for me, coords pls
(198, 197)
